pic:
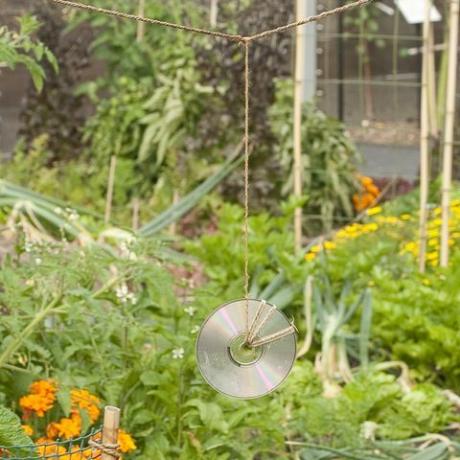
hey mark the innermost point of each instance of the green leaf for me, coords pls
(11, 432)
(64, 400)
(436, 452)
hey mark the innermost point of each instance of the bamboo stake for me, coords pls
(110, 431)
(141, 24)
(424, 143)
(213, 12)
(431, 81)
(449, 129)
(111, 182)
(298, 102)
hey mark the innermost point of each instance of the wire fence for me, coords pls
(84, 447)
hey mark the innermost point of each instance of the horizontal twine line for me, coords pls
(214, 33)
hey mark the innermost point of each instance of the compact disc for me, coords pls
(237, 370)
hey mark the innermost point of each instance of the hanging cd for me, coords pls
(236, 369)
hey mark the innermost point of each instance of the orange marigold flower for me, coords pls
(83, 399)
(126, 442)
(52, 430)
(43, 387)
(28, 430)
(41, 398)
(66, 428)
(35, 404)
(49, 450)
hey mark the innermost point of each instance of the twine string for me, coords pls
(109, 449)
(251, 330)
(158, 22)
(214, 33)
(316, 17)
(274, 337)
(246, 181)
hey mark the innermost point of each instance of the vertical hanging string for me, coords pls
(246, 180)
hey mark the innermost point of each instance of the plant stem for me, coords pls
(16, 343)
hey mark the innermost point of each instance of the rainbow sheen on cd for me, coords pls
(238, 371)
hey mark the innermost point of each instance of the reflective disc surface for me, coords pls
(235, 370)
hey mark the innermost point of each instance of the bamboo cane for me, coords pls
(449, 129)
(140, 24)
(110, 432)
(110, 185)
(431, 81)
(213, 12)
(298, 102)
(424, 142)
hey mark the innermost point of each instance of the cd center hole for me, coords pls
(242, 353)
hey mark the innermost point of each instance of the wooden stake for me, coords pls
(449, 129)
(424, 143)
(140, 24)
(110, 431)
(110, 184)
(298, 103)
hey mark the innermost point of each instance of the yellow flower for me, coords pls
(432, 256)
(426, 282)
(436, 222)
(372, 227)
(310, 257)
(391, 220)
(433, 242)
(28, 430)
(315, 249)
(374, 211)
(406, 217)
(410, 247)
(126, 442)
(329, 245)
(433, 233)
(341, 234)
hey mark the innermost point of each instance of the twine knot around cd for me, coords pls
(246, 348)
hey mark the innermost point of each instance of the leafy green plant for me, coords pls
(276, 273)
(19, 48)
(11, 433)
(329, 160)
(373, 406)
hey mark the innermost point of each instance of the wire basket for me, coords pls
(70, 449)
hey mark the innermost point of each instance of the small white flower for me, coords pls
(38, 261)
(195, 329)
(178, 353)
(190, 311)
(57, 210)
(126, 252)
(368, 430)
(124, 295)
